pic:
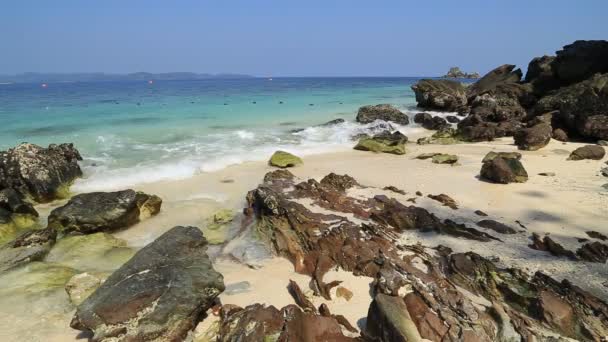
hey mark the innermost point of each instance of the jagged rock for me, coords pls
(593, 152)
(445, 200)
(496, 226)
(533, 138)
(583, 107)
(430, 122)
(284, 159)
(593, 252)
(30, 246)
(42, 174)
(597, 235)
(385, 142)
(104, 211)
(440, 95)
(443, 158)
(581, 60)
(388, 319)
(384, 112)
(504, 74)
(540, 74)
(546, 243)
(159, 294)
(455, 72)
(503, 168)
(16, 214)
(339, 182)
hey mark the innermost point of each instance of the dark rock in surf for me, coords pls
(384, 112)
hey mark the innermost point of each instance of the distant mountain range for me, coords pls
(35, 77)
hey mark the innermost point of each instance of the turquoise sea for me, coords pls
(134, 132)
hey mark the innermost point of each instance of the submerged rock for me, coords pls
(593, 152)
(16, 214)
(385, 142)
(82, 285)
(503, 168)
(42, 174)
(216, 227)
(30, 246)
(284, 159)
(443, 95)
(384, 112)
(159, 294)
(104, 211)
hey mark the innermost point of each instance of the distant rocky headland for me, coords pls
(455, 72)
(34, 77)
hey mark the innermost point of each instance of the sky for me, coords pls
(289, 38)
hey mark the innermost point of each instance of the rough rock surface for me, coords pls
(445, 200)
(385, 142)
(30, 246)
(443, 95)
(450, 297)
(104, 211)
(593, 252)
(593, 152)
(581, 60)
(384, 112)
(443, 158)
(504, 74)
(497, 226)
(159, 294)
(533, 138)
(389, 320)
(430, 122)
(42, 174)
(503, 168)
(284, 159)
(15, 214)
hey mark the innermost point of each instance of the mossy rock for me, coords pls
(17, 224)
(443, 137)
(444, 158)
(34, 278)
(92, 252)
(393, 143)
(216, 228)
(284, 159)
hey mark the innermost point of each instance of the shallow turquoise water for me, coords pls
(132, 132)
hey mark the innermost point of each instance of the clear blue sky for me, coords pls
(289, 38)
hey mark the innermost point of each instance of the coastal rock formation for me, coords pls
(42, 174)
(420, 293)
(216, 227)
(593, 152)
(284, 159)
(455, 72)
(445, 136)
(593, 252)
(443, 95)
(30, 246)
(496, 226)
(533, 138)
(104, 211)
(15, 214)
(580, 60)
(503, 168)
(384, 112)
(385, 142)
(430, 122)
(82, 285)
(443, 158)
(159, 294)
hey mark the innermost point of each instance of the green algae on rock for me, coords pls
(30, 246)
(385, 142)
(35, 278)
(442, 158)
(284, 159)
(82, 285)
(16, 215)
(216, 227)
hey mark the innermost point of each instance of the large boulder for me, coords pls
(583, 106)
(540, 74)
(503, 168)
(443, 95)
(104, 211)
(42, 174)
(160, 294)
(504, 74)
(384, 112)
(388, 320)
(15, 214)
(385, 142)
(533, 138)
(593, 152)
(580, 60)
(431, 122)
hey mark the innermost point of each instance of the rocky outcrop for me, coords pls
(504, 74)
(503, 168)
(384, 112)
(442, 95)
(533, 138)
(497, 226)
(455, 72)
(284, 159)
(42, 174)
(593, 152)
(455, 297)
(15, 214)
(446, 136)
(385, 142)
(581, 60)
(593, 252)
(159, 294)
(104, 211)
(431, 122)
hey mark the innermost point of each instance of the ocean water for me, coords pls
(135, 132)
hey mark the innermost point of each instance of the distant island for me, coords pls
(34, 77)
(455, 72)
